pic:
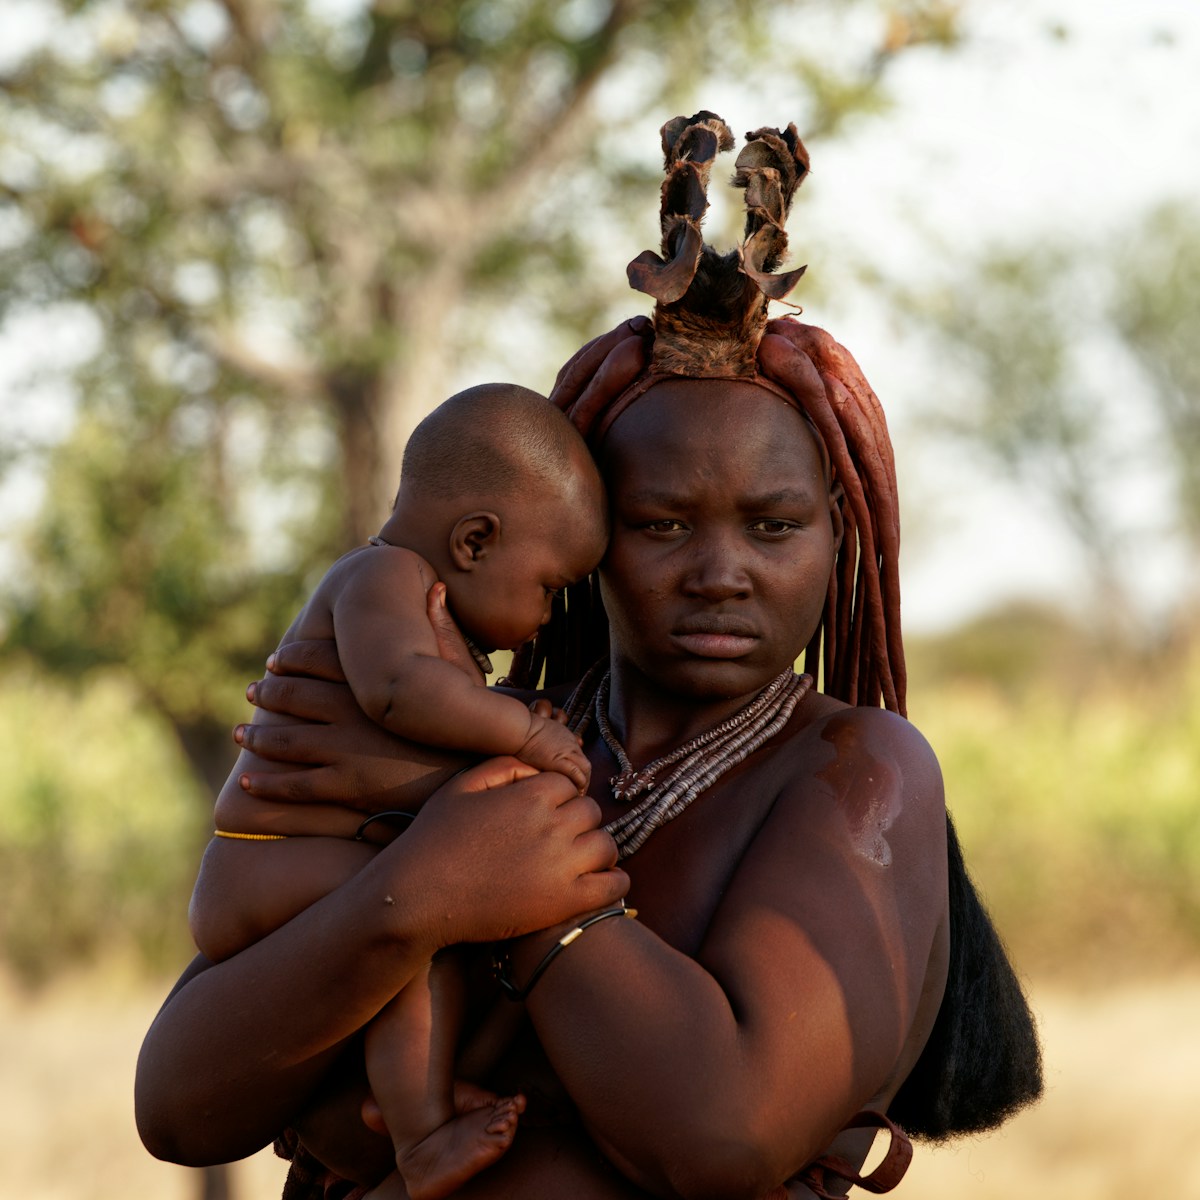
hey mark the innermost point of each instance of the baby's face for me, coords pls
(507, 600)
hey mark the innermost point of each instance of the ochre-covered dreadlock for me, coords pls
(710, 322)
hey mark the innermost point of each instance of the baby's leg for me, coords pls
(443, 1133)
(247, 889)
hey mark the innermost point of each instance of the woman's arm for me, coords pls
(724, 1074)
(239, 1046)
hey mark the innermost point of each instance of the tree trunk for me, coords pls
(210, 750)
(214, 1183)
(378, 409)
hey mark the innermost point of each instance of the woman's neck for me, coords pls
(650, 722)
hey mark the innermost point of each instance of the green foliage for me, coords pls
(1014, 649)
(287, 224)
(1011, 334)
(100, 830)
(1154, 307)
(1076, 806)
(143, 559)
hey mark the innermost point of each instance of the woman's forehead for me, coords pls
(727, 421)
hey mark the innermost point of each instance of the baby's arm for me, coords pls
(390, 655)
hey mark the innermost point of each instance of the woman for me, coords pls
(797, 928)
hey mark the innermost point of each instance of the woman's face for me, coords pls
(723, 537)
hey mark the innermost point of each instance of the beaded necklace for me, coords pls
(659, 794)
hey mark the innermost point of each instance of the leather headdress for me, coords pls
(711, 308)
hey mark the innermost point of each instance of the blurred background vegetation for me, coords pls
(276, 232)
(258, 239)
(246, 244)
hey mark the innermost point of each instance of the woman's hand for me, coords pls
(339, 754)
(451, 645)
(519, 849)
(498, 852)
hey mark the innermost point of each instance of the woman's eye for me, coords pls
(773, 525)
(666, 525)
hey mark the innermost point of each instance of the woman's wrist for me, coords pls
(520, 963)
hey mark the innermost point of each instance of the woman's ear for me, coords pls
(473, 538)
(837, 497)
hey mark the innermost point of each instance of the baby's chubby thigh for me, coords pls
(275, 859)
(249, 887)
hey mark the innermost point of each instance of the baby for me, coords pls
(500, 504)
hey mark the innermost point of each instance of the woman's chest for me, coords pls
(680, 873)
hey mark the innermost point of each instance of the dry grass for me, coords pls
(1123, 1075)
(1122, 1091)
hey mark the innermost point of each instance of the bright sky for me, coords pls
(1016, 132)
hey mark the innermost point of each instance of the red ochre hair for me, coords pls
(710, 322)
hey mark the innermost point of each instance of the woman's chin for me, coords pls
(717, 679)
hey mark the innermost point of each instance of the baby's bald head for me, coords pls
(501, 497)
(490, 441)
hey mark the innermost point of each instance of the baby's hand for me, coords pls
(551, 746)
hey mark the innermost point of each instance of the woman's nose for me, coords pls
(716, 571)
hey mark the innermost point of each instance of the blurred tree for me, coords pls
(287, 221)
(1056, 352)
(1155, 304)
(1010, 327)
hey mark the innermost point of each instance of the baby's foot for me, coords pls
(446, 1158)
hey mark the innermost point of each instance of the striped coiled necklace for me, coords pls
(663, 788)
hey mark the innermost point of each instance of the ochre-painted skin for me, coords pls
(715, 575)
(790, 953)
(718, 561)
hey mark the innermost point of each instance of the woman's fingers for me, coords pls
(299, 743)
(525, 856)
(625, 363)
(305, 785)
(494, 773)
(579, 370)
(600, 889)
(302, 698)
(316, 659)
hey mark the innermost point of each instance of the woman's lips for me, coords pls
(715, 639)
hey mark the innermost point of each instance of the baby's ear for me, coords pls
(473, 538)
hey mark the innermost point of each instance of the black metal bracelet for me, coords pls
(390, 815)
(502, 964)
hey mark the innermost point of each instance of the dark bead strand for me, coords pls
(702, 760)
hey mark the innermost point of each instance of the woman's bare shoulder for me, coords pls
(849, 744)
(864, 777)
